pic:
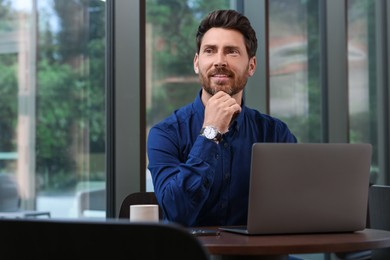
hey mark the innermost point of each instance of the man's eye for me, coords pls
(208, 50)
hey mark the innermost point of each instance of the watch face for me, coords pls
(210, 132)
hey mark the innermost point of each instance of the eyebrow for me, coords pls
(208, 46)
(224, 47)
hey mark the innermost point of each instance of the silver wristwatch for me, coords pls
(212, 133)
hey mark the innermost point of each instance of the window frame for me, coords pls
(126, 103)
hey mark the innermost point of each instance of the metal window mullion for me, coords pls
(257, 89)
(386, 87)
(334, 71)
(382, 79)
(110, 109)
(128, 100)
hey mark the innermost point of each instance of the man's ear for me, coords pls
(252, 66)
(196, 63)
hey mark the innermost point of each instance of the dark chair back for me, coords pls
(136, 199)
(87, 239)
(379, 214)
(379, 207)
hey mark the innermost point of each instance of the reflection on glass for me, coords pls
(170, 48)
(362, 88)
(52, 123)
(294, 63)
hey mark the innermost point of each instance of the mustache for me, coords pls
(219, 71)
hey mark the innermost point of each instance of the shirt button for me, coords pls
(223, 205)
(226, 176)
(226, 145)
(216, 156)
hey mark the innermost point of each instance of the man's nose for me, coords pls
(220, 60)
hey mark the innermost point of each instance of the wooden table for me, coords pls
(229, 245)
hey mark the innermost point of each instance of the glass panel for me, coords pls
(294, 66)
(52, 98)
(171, 27)
(362, 79)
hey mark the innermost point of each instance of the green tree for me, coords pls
(174, 25)
(71, 90)
(8, 86)
(8, 106)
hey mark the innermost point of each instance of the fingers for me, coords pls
(225, 101)
(220, 110)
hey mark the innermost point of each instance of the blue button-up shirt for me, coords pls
(198, 182)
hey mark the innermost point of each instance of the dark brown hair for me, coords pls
(229, 19)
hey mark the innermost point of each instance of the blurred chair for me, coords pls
(379, 215)
(92, 203)
(9, 196)
(10, 200)
(136, 199)
(94, 239)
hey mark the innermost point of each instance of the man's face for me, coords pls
(223, 62)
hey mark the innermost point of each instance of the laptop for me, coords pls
(307, 188)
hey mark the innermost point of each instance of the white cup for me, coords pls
(144, 213)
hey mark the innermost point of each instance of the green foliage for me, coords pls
(170, 97)
(8, 85)
(8, 108)
(56, 108)
(174, 25)
(70, 91)
(95, 107)
(6, 13)
(71, 96)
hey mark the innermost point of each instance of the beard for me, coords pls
(229, 87)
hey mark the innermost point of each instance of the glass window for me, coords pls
(362, 80)
(170, 48)
(52, 98)
(294, 66)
